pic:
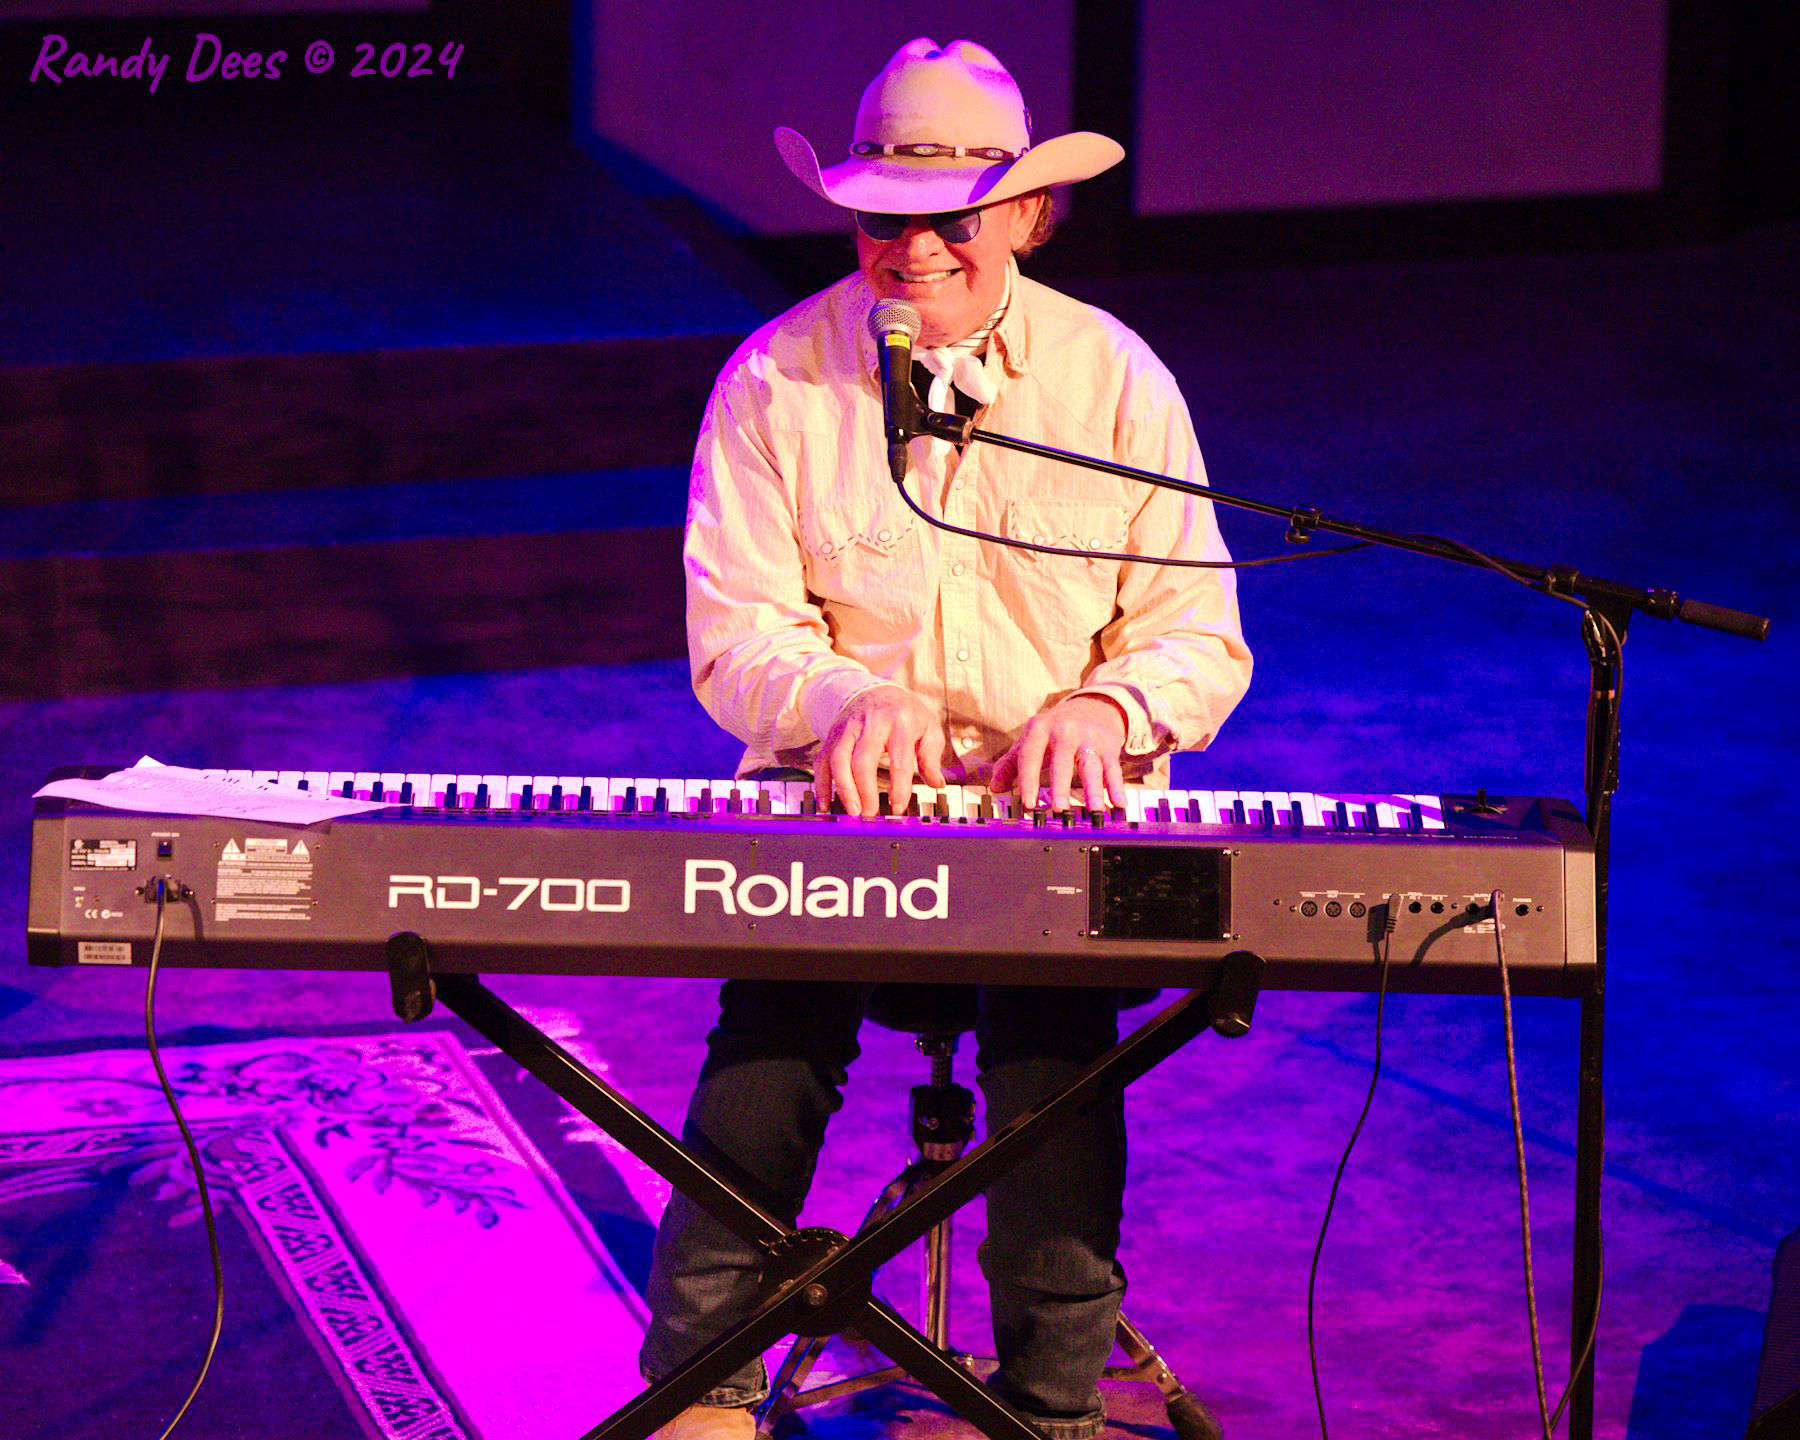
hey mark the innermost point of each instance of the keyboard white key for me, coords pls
(1431, 810)
(1395, 813)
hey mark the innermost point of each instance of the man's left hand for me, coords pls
(1073, 745)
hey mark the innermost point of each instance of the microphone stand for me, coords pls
(1608, 607)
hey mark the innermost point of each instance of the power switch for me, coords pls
(165, 849)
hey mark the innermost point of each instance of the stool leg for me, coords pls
(785, 1388)
(935, 1287)
(943, 1121)
(1189, 1417)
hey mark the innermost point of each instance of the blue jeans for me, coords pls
(774, 1073)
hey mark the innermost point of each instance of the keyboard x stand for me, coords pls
(819, 1282)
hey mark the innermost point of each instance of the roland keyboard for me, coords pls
(659, 876)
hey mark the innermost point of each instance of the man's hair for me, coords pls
(1044, 226)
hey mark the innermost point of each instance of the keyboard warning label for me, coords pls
(264, 878)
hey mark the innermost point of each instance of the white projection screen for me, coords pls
(1250, 106)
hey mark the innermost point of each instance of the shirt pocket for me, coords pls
(867, 561)
(1064, 597)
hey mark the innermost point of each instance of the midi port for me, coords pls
(1358, 909)
(1333, 908)
(1309, 908)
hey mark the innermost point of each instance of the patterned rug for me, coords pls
(421, 1244)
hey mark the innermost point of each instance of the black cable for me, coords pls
(1587, 1345)
(161, 888)
(1553, 1417)
(1512, 1085)
(1385, 951)
(1038, 549)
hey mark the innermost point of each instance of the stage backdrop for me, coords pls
(1250, 106)
(1241, 105)
(698, 89)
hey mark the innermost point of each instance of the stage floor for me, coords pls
(1632, 415)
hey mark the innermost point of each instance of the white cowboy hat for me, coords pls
(959, 99)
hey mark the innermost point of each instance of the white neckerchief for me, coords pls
(961, 364)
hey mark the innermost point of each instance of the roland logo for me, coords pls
(821, 896)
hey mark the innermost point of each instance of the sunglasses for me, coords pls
(953, 228)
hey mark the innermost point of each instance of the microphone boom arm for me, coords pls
(1304, 522)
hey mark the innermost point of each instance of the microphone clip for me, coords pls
(943, 425)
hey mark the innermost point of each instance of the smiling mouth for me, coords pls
(924, 277)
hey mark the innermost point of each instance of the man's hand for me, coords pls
(1078, 741)
(886, 721)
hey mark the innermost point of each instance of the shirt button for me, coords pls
(1094, 544)
(1037, 540)
(957, 568)
(885, 535)
(962, 654)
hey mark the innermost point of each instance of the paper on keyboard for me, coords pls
(174, 790)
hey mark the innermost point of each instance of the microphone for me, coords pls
(895, 325)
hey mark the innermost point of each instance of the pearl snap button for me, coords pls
(957, 568)
(1037, 540)
(962, 654)
(885, 535)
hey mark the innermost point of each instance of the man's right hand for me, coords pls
(889, 722)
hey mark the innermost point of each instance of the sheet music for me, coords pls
(160, 789)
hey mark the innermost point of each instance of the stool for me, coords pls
(943, 1123)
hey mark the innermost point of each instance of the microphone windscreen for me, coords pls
(889, 316)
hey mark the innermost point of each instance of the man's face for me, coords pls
(955, 286)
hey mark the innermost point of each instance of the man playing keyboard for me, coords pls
(838, 635)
